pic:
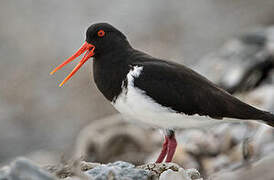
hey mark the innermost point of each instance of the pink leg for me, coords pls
(164, 151)
(171, 147)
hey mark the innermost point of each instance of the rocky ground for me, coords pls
(23, 169)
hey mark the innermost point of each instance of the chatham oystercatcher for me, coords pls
(156, 92)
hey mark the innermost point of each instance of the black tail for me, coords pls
(241, 110)
(268, 118)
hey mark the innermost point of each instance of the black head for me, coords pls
(101, 38)
(105, 38)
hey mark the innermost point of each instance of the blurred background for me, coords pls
(36, 36)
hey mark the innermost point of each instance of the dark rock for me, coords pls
(243, 63)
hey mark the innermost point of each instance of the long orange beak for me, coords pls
(85, 47)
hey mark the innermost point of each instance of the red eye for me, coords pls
(101, 33)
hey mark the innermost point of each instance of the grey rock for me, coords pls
(23, 169)
(4, 173)
(118, 170)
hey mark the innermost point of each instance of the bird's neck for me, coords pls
(109, 72)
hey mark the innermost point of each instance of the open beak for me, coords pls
(85, 47)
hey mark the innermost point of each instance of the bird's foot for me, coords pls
(168, 149)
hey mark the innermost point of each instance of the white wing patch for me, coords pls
(135, 73)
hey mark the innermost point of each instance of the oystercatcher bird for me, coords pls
(156, 92)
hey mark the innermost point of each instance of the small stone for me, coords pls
(88, 165)
(158, 168)
(193, 173)
(73, 178)
(181, 174)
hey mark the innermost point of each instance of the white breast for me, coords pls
(135, 105)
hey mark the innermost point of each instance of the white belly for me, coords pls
(135, 105)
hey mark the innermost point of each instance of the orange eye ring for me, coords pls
(101, 33)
